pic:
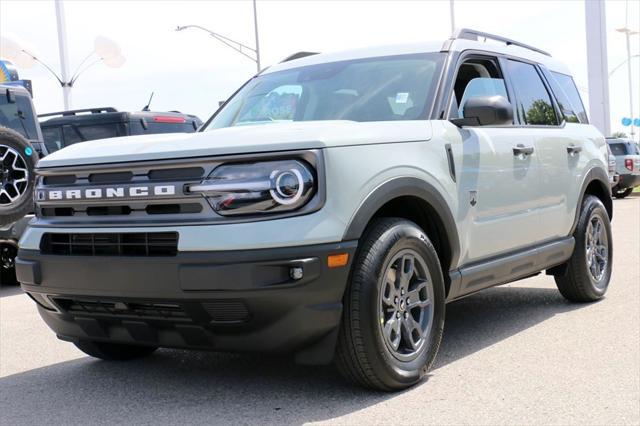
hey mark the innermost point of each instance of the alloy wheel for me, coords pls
(596, 248)
(405, 305)
(14, 175)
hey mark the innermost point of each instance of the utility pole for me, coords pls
(597, 67)
(255, 23)
(64, 54)
(453, 16)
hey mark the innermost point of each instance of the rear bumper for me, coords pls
(235, 301)
(629, 181)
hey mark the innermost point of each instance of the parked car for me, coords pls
(614, 177)
(61, 129)
(627, 155)
(20, 147)
(329, 209)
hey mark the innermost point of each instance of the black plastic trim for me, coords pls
(401, 187)
(508, 267)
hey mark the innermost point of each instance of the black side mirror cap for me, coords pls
(486, 111)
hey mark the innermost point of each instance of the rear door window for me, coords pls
(98, 131)
(534, 105)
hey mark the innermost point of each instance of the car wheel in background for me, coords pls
(589, 268)
(17, 161)
(621, 193)
(394, 308)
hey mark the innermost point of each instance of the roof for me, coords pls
(458, 43)
(105, 114)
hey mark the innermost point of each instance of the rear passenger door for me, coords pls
(558, 142)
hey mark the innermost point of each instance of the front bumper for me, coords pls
(232, 301)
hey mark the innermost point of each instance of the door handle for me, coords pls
(574, 150)
(521, 150)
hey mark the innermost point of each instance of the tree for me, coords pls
(541, 113)
(620, 135)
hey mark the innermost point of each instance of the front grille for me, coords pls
(216, 312)
(231, 310)
(111, 244)
(114, 202)
(120, 309)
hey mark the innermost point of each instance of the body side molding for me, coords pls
(509, 267)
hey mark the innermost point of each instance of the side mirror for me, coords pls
(485, 111)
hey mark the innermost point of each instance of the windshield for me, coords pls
(18, 116)
(372, 89)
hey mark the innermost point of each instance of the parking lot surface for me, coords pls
(518, 353)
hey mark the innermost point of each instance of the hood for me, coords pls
(238, 140)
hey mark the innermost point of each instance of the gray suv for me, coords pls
(330, 209)
(627, 155)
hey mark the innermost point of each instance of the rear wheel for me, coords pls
(17, 161)
(394, 308)
(114, 351)
(589, 268)
(621, 193)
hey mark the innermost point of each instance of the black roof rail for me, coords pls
(469, 34)
(76, 111)
(298, 55)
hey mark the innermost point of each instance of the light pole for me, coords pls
(253, 54)
(105, 50)
(628, 33)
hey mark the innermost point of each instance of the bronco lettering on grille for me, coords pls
(106, 192)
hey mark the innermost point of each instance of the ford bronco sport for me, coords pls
(329, 209)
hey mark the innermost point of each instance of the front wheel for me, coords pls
(393, 308)
(621, 193)
(114, 351)
(589, 268)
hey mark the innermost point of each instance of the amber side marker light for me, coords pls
(337, 260)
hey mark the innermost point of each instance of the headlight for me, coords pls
(266, 187)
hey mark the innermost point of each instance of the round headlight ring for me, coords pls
(278, 194)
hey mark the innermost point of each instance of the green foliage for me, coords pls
(621, 135)
(541, 113)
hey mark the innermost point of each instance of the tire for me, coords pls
(114, 351)
(17, 161)
(7, 265)
(621, 193)
(367, 354)
(7, 277)
(588, 271)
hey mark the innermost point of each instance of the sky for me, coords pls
(191, 72)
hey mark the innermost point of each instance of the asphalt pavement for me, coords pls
(515, 354)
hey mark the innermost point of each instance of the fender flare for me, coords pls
(402, 187)
(596, 174)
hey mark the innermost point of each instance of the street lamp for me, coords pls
(105, 50)
(628, 33)
(243, 49)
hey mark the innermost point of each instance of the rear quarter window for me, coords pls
(618, 149)
(568, 97)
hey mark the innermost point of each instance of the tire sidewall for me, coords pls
(14, 211)
(594, 207)
(402, 235)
